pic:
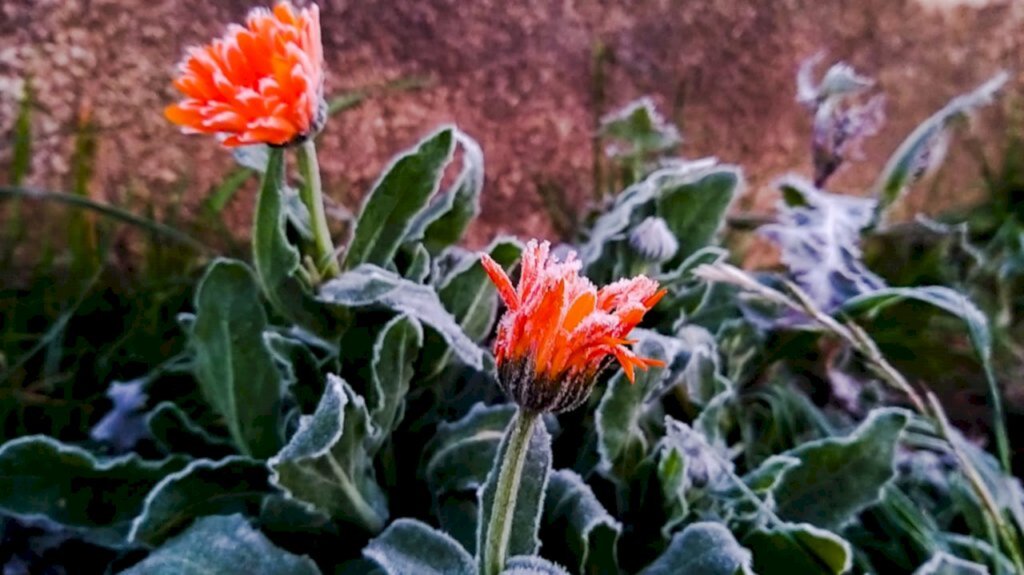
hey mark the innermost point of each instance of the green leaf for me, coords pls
(945, 564)
(394, 354)
(97, 497)
(404, 190)
(695, 212)
(577, 529)
(916, 154)
(840, 476)
(176, 432)
(326, 465)
(443, 222)
(798, 548)
(371, 286)
(233, 364)
(409, 547)
(531, 565)
(222, 544)
(770, 473)
(526, 516)
(419, 267)
(231, 485)
(701, 549)
(276, 260)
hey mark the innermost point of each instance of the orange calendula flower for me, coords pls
(560, 331)
(261, 84)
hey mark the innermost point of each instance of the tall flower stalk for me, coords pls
(559, 333)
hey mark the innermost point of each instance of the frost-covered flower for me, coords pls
(560, 331)
(258, 84)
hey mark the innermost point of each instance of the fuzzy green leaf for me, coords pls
(526, 516)
(695, 212)
(231, 485)
(408, 547)
(371, 286)
(532, 565)
(577, 529)
(222, 544)
(945, 564)
(802, 548)
(233, 364)
(840, 476)
(701, 549)
(403, 191)
(174, 431)
(97, 497)
(419, 268)
(326, 465)
(394, 354)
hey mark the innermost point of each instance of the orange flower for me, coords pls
(261, 84)
(560, 331)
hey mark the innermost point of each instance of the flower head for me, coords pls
(560, 331)
(258, 84)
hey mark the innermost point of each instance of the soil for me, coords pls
(518, 77)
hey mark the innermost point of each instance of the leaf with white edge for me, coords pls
(175, 432)
(819, 236)
(687, 463)
(419, 266)
(701, 549)
(402, 192)
(409, 547)
(798, 548)
(371, 286)
(98, 497)
(840, 476)
(532, 565)
(695, 212)
(300, 368)
(326, 465)
(916, 154)
(638, 130)
(231, 485)
(444, 221)
(274, 257)
(577, 529)
(529, 504)
(394, 354)
(767, 476)
(222, 544)
(233, 364)
(946, 564)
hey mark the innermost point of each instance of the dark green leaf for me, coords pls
(394, 353)
(231, 485)
(695, 212)
(233, 364)
(175, 432)
(408, 547)
(701, 549)
(802, 549)
(222, 544)
(404, 190)
(577, 529)
(326, 464)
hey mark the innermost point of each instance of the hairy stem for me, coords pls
(312, 196)
(499, 527)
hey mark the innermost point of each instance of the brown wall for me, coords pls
(516, 76)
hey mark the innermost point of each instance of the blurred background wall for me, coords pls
(528, 79)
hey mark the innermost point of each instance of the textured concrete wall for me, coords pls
(515, 75)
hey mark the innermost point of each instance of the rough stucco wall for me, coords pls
(516, 76)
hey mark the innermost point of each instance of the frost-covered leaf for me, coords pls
(443, 222)
(919, 153)
(391, 368)
(577, 529)
(798, 548)
(695, 212)
(701, 549)
(326, 465)
(419, 265)
(98, 497)
(222, 544)
(529, 504)
(371, 286)
(408, 547)
(401, 193)
(687, 463)
(819, 236)
(125, 424)
(205, 487)
(946, 564)
(638, 131)
(233, 364)
(532, 565)
(840, 476)
(176, 432)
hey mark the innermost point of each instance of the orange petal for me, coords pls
(500, 279)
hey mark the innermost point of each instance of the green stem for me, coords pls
(312, 195)
(499, 527)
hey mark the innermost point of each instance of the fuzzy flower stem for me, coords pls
(499, 527)
(312, 195)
